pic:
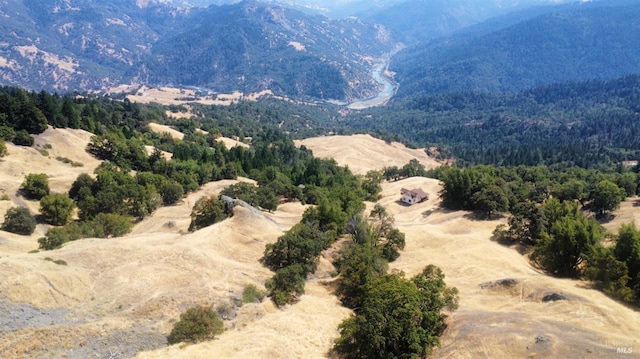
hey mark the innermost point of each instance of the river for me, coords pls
(388, 87)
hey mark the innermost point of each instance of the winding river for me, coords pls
(388, 87)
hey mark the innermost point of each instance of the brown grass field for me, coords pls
(122, 295)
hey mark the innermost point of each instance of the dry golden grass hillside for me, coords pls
(162, 129)
(45, 156)
(122, 295)
(362, 153)
(498, 318)
(180, 96)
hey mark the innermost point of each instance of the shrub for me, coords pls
(57, 261)
(4, 197)
(3, 148)
(106, 225)
(7, 133)
(171, 192)
(263, 197)
(196, 324)
(22, 138)
(302, 245)
(18, 220)
(56, 237)
(69, 161)
(399, 317)
(287, 284)
(35, 186)
(570, 241)
(251, 294)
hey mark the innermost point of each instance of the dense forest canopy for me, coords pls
(570, 43)
(588, 124)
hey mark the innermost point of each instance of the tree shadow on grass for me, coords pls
(605, 218)
(593, 285)
(482, 217)
(436, 210)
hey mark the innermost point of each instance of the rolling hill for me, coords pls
(121, 295)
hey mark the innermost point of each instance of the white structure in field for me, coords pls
(413, 196)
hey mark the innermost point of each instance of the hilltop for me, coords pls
(362, 153)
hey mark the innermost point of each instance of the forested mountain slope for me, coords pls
(67, 45)
(252, 47)
(589, 124)
(419, 20)
(586, 41)
(71, 45)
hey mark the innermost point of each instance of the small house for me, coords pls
(413, 196)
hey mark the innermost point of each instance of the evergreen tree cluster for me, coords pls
(131, 184)
(338, 195)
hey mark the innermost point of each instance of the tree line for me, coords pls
(555, 212)
(590, 124)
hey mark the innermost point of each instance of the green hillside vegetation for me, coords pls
(421, 20)
(549, 212)
(586, 124)
(594, 41)
(243, 46)
(109, 204)
(247, 47)
(546, 205)
(101, 48)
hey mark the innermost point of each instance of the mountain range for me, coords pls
(293, 49)
(67, 45)
(539, 46)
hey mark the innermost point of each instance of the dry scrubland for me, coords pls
(123, 294)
